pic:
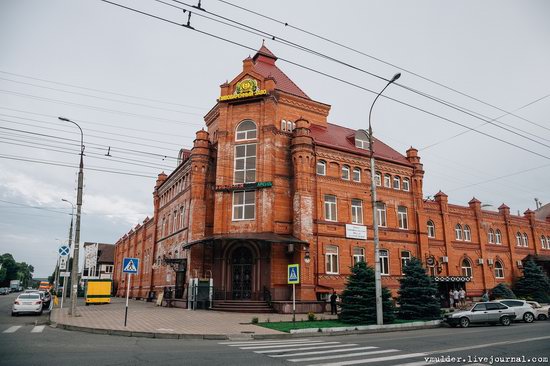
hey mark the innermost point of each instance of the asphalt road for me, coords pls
(34, 344)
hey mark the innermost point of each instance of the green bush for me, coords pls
(255, 320)
(502, 291)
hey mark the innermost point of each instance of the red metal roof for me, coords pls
(264, 64)
(343, 138)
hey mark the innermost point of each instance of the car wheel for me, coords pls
(464, 322)
(505, 320)
(542, 317)
(528, 317)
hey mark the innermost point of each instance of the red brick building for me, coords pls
(271, 182)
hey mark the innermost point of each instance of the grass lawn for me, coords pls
(287, 326)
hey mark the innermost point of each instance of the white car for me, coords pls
(27, 303)
(541, 311)
(523, 310)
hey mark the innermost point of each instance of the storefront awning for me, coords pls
(452, 278)
(266, 237)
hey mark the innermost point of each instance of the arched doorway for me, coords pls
(241, 273)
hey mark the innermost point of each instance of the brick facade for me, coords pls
(299, 213)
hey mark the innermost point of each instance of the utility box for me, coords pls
(98, 291)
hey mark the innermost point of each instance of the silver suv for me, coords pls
(483, 312)
(523, 310)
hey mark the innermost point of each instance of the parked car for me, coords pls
(541, 311)
(523, 310)
(27, 303)
(4, 290)
(483, 312)
(46, 298)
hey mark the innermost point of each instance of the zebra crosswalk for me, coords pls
(319, 352)
(15, 328)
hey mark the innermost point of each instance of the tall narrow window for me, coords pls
(518, 239)
(182, 215)
(331, 258)
(381, 210)
(244, 205)
(246, 130)
(175, 224)
(384, 262)
(378, 178)
(431, 229)
(356, 174)
(321, 167)
(396, 182)
(406, 184)
(402, 217)
(499, 270)
(405, 259)
(356, 211)
(345, 172)
(458, 232)
(358, 255)
(245, 163)
(491, 236)
(387, 180)
(466, 268)
(525, 240)
(330, 207)
(543, 242)
(498, 237)
(467, 233)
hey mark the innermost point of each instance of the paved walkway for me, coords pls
(151, 320)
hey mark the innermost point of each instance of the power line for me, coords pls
(36, 207)
(332, 77)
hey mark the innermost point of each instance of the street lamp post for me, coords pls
(70, 246)
(74, 269)
(377, 276)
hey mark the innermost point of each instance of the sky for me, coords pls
(139, 87)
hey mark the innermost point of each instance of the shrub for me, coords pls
(255, 320)
(502, 291)
(418, 294)
(311, 316)
(534, 284)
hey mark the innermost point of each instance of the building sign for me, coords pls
(245, 89)
(244, 186)
(356, 231)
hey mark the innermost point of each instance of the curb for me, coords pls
(297, 333)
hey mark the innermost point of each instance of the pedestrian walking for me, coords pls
(485, 296)
(456, 297)
(333, 298)
(451, 299)
(462, 294)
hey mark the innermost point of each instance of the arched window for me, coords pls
(387, 180)
(357, 174)
(467, 233)
(396, 182)
(378, 178)
(491, 236)
(321, 167)
(431, 229)
(499, 269)
(246, 130)
(361, 140)
(406, 185)
(498, 237)
(525, 240)
(543, 242)
(518, 239)
(458, 232)
(345, 172)
(466, 268)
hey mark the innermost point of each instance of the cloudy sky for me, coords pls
(140, 86)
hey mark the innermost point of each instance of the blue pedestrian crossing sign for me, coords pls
(293, 274)
(130, 265)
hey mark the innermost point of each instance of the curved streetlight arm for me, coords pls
(81, 133)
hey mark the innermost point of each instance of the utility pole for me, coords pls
(74, 269)
(70, 246)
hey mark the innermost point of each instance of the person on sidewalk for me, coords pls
(485, 296)
(333, 297)
(456, 297)
(451, 299)
(462, 294)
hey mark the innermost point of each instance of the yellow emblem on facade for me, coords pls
(244, 89)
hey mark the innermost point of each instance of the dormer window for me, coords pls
(361, 140)
(246, 130)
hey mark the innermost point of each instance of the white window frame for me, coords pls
(384, 262)
(499, 271)
(387, 180)
(331, 207)
(381, 212)
(243, 205)
(403, 217)
(331, 259)
(431, 229)
(356, 211)
(458, 232)
(246, 133)
(466, 270)
(361, 143)
(356, 175)
(518, 239)
(378, 179)
(182, 216)
(406, 184)
(396, 182)
(245, 169)
(358, 255)
(543, 242)
(346, 171)
(498, 237)
(491, 236)
(405, 259)
(323, 165)
(467, 233)
(525, 240)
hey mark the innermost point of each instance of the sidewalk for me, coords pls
(147, 320)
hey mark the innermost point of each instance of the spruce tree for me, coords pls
(358, 300)
(418, 294)
(502, 291)
(534, 284)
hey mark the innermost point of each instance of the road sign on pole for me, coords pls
(63, 250)
(129, 266)
(293, 275)
(63, 263)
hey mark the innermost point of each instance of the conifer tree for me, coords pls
(502, 291)
(418, 298)
(534, 284)
(358, 300)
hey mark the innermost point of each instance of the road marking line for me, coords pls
(330, 351)
(343, 356)
(320, 346)
(417, 363)
(13, 329)
(38, 329)
(450, 350)
(244, 344)
(286, 345)
(234, 343)
(376, 359)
